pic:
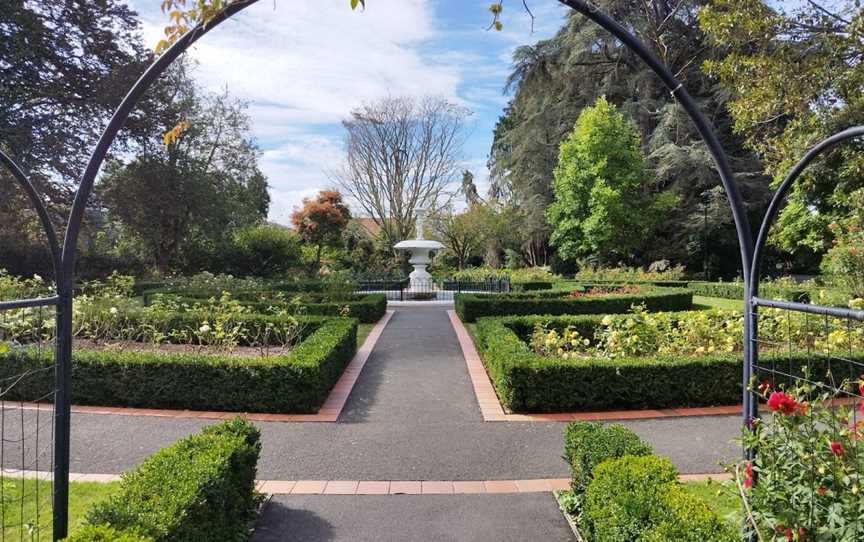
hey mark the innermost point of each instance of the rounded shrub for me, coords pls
(622, 496)
(106, 533)
(687, 518)
(587, 444)
(263, 250)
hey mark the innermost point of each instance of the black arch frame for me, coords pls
(63, 257)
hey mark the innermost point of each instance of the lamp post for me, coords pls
(707, 196)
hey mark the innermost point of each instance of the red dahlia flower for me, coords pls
(779, 401)
(837, 449)
(748, 476)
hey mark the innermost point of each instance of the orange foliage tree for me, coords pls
(320, 220)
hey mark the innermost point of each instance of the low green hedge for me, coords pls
(528, 382)
(298, 381)
(624, 493)
(200, 489)
(532, 286)
(470, 307)
(735, 290)
(639, 499)
(106, 533)
(587, 444)
(368, 308)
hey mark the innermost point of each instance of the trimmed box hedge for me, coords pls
(735, 290)
(368, 308)
(297, 382)
(470, 307)
(528, 382)
(200, 489)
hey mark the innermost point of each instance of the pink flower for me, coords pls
(748, 475)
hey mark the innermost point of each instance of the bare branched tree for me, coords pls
(401, 154)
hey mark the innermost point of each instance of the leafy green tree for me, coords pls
(554, 80)
(64, 66)
(601, 209)
(264, 250)
(184, 200)
(795, 77)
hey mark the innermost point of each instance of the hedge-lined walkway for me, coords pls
(411, 416)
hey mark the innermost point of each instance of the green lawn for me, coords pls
(720, 496)
(363, 331)
(703, 303)
(82, 495)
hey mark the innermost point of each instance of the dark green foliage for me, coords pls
(531, 286)
(623, 495)
(735, 290)
(587, 444)
(200, 489)
(686, 518)
(368, 308)
(473, 306)
(527, 382)
(263, 250)
(106, 533)
(296, 382)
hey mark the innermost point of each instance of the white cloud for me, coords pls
(304, 64)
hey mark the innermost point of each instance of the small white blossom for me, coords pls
(204, 329)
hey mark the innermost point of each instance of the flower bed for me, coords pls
(624, 375)
(470, 307)
(296, 382)
(200, 488)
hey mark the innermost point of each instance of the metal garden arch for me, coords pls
(63, 257)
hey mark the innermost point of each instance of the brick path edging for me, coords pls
(376, 487)
(493, 411)
(329, 411)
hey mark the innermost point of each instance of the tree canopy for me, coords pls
(795, 77)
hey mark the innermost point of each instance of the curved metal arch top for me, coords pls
(780, 195)
(33, 195)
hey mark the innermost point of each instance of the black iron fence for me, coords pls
(432, 289)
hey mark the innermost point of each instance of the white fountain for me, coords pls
(420, 253)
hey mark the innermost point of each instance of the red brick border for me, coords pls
(493, 411)
(379, 487)
(329, 411)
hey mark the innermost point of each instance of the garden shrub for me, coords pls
(623, 495)
(200, 489)
(587, 444)
(531, 286)
(804, 482)
(263, 250)
(106, 533)
(681, 517)
(298, 381)
(735, 290)
(470, 307)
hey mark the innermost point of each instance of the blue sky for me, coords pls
(304, 64)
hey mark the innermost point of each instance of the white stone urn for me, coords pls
(421, 251)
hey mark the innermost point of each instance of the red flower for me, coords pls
(837, 449)
(821, 491)
(748, 475)
(779, 401)
(801, 533)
